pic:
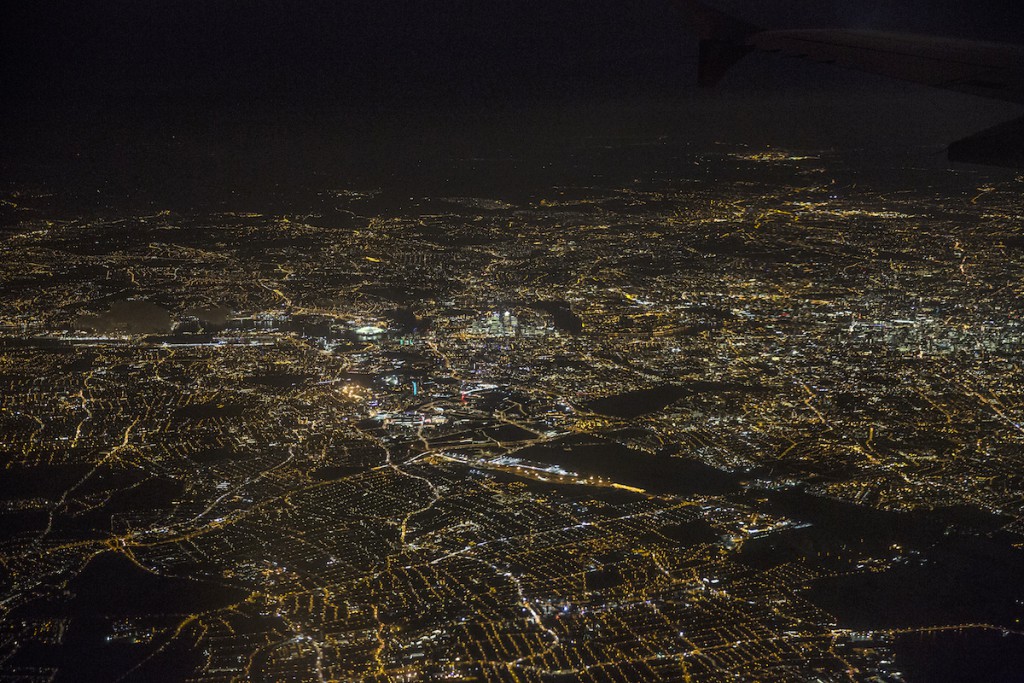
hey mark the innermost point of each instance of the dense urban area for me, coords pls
(762, 424)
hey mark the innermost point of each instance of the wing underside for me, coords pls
(986, 69)
(992, 70)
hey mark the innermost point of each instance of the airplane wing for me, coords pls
(992, 70)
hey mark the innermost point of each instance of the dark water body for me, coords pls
(954, 568)
(279, 380)
(19, 522)
(201, 411)
(363, 379)
(38, 343)
(153, 493)
(561, 314)
(407, 322)
(182, 338)
(838, 523)
(963, 580)
(654, 473)
(112, 585)
(639, 402)
(958, 657)
(45, 481)
(643, 401)
(508, 433)
(116, 492)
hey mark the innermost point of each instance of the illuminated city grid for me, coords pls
(576, 436)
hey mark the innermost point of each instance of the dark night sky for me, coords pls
(159, 97)
(403, 53)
